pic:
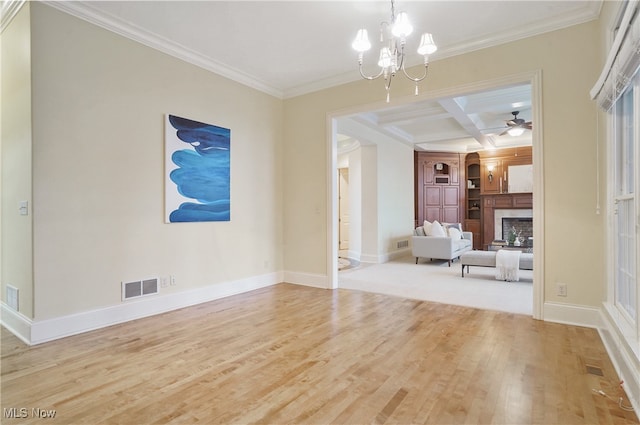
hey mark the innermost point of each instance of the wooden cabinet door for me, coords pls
(438, 188)
(427, 172)
(450, 204)
(473, 226)
(487, 222)
(433, 202)
(454, 172)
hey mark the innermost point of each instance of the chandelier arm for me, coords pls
(367, 77)
(416, 79)
(404, 71)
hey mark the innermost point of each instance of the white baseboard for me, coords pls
(38, 331)
(16, 323)
(398, 254)
(354, 255)
(570, 314)
(625, 362)
(307, 279)
(626, 365)
(370, 258)
(386, 257)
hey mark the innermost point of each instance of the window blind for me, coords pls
(623, 60)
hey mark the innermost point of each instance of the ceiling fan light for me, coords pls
(515, 131)
(402, 27)
(361, 43)
(427, 45)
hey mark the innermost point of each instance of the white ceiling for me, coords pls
(288, 48)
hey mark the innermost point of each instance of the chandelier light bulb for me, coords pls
(427, 45)
(385, 58)
(402, 27)
(361, 43)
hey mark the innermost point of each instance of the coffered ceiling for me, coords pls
(465, 123)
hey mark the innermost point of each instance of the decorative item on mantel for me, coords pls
(514, 237)
(393, 38)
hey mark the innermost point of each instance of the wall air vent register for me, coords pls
(139, 288)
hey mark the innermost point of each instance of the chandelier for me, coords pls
(393, 39)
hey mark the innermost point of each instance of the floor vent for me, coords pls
(139, 288)
(593, 370)
(402, 244)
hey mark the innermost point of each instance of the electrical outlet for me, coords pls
(172, 280)
(561, 289)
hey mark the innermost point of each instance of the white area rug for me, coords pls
(435, 281)
(346, 263)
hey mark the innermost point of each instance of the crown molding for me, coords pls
(9, 10)
(490, 40)
(89, 14)
(84, 11)
(541, 27)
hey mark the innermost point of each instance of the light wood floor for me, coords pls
(290, 354)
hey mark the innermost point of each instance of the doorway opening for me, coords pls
(343, 124)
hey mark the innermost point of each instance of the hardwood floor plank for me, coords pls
(291, 354)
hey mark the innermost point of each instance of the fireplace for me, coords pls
(522, 225)
(521, 219)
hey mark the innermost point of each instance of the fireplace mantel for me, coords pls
(501, 201)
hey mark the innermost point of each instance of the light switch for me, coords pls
(24, 208)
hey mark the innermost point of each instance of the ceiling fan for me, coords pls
(516, 126)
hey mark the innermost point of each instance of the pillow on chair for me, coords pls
(454, 233)
(454, 225)
(437, 229)
(427, 228)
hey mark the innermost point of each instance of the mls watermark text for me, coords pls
(26, 412)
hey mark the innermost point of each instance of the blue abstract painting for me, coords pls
(197, 171)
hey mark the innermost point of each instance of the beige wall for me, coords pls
(98, 108)
(573, 231)
(395, 196)
(16, 233)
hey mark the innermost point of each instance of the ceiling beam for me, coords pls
(457, 113)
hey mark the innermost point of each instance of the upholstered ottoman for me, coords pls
(488, 259)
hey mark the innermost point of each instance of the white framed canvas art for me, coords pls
(197, 171)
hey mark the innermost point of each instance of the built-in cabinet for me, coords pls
(494, 168)
(453, 188)
(473, 201)
(439, 194)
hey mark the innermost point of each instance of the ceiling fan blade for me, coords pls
(528, 125)
(504, 132)
(511, 123)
